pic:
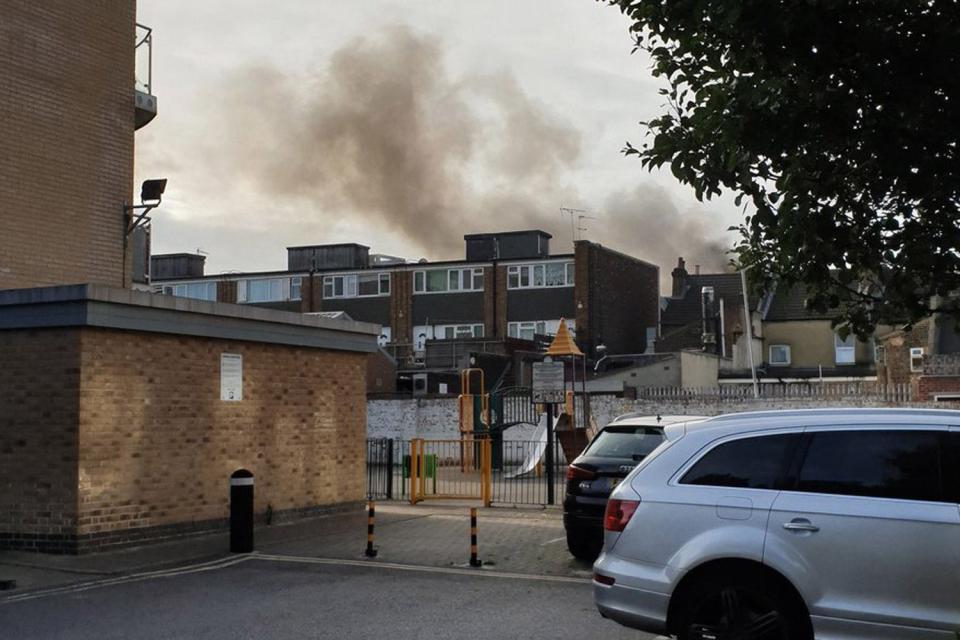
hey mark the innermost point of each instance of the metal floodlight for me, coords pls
(151, 192)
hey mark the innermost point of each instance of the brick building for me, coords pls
(432, 315)
(114, 427)
(926, 355)
(71, 99)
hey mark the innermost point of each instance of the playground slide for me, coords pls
(536, 453)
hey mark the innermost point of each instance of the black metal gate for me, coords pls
(381, 453)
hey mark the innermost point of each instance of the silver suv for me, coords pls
(834, 524)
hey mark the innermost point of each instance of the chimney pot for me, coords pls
(679, 275)
(696, 269)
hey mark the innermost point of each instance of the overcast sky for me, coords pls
(404, 125)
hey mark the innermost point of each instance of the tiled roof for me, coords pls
(686, 310)
(790, 304)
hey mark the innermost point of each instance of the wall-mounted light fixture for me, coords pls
(151, 193)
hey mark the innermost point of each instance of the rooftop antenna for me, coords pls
(201, 252)
(573, 225)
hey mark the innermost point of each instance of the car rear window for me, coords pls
(625, 442)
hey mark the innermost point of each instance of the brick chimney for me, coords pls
(679, 279)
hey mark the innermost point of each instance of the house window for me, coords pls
(916, 359)
(457, 331)
(845, 349)
(540, 275)
(263, 290)
(448, 280)
(195, 290)
(780, 355)
(296, 283)
(527, 330)
(356, 285)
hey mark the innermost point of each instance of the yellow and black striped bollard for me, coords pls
(370, 551)
(474, 561)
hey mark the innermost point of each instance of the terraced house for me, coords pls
(508, 290)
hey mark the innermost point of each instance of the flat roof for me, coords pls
(88, 305)
(330, 246)
(490, 234)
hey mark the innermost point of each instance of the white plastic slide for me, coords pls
(536, 453)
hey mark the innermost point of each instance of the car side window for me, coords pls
(753, 463)
(881, 464)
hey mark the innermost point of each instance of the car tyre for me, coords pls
(583, 547)
(743, 606)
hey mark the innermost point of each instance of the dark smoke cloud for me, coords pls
(385, 134)
(382, 134)
(646, 223)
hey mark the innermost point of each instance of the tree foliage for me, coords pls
(836, 123)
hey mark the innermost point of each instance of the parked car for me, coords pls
(790, 525)
(610, 456)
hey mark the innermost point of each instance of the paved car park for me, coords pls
(310, 579)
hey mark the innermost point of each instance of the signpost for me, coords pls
(548, 389)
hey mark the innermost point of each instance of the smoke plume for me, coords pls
(381, 133)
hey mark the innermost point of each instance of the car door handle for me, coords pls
(800, 525)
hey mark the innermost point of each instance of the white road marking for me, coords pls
(486, 573)
(543, 544)
(134, 577)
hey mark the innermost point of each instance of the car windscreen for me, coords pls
(625, 442)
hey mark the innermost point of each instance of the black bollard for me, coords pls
(474, 561)
(241, 511)
(370, 551)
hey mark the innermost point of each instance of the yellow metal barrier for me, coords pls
(456, 470)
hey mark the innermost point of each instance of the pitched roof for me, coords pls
(790, 303)
(686, 309)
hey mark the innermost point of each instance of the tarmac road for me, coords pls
(283, 597)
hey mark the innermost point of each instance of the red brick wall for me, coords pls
(39, 408)
(401, 306)
(500, 301)
(895, 366)
(929, 386)
(490, 302)
(617, 299)
(66, 126)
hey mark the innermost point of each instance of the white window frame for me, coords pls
(916, 359)
(533, 275)
(844, 351)
(296, 287)
(350, 285)
(181, 289)
(283, 292)
(475, 329)
(784, 363)
(539, 327)
(456, 280)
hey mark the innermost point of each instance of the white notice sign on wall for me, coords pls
(231, 377)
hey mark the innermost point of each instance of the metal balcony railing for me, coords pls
(144, 59)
